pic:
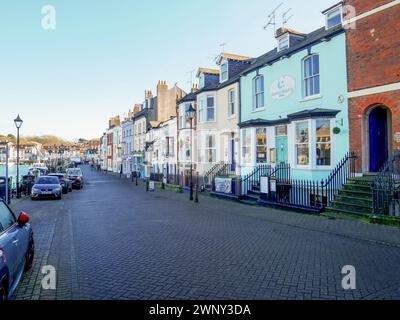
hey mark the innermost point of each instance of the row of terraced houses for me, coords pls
(310, 124)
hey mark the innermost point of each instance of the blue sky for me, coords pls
(104, 54)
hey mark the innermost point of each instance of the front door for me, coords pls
(378, 139)
(281, 150)
(232, 155)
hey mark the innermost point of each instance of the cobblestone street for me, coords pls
(112, 240)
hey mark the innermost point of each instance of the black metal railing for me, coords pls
(307, 194)
(212, 173)
(386, 188)
(224, 171)
(345, 170)
(252, 180)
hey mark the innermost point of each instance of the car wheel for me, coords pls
(3, 292)
(30, 255)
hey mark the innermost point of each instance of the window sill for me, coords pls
(258, 110)
(311, 98)
(232, 117)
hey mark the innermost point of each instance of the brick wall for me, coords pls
(373, 59)
(373, 48)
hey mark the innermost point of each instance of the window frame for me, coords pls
(200, 109)
(14, 219)
(231, 102)
(260, 145)
(224, 72)
(246, 144)
(212, 148)
(208, 108)
(316, 143)
(308, 79)
(296, 144)
(256, 94)
(330, 12)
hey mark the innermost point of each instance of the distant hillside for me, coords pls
(45, 140)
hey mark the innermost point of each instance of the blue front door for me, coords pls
(378, 139)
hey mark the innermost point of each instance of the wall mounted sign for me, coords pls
(282, 88)
(223, 185)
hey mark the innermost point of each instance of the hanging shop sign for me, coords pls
(282, 88)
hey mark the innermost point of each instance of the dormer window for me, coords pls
(201, 81)
(283, 42)
(334, 16)
(224, 72)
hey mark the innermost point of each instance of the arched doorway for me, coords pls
(378, 120)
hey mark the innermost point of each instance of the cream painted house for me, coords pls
(218, 116)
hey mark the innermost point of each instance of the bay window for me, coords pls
(261, 145)
(246, 146)
(302, 144)
(323, 142)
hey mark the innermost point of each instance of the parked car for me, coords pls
(66, 183)
(47, 187)
(17, 249)
(76, 176)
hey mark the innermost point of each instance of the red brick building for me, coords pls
(373, 53)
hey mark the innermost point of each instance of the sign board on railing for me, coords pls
(223, 185)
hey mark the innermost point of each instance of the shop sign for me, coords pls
(282, 88)
(223, 185)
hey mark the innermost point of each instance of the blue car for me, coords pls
(47, 187)
(17, 249)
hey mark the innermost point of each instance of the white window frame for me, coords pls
(310, 154)
(202, 81)
(314, 127)
(212, 148)
(200, 109)
(311, 77)
(231, 103)
(222, 73)
(246, 136)
(213, 107)
(330, 12)
(284, 39)
(257, 94)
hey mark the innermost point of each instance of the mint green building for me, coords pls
(294, 104)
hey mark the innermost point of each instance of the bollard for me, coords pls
(196, 195)
(147, 186)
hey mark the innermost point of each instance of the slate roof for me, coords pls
(274, 56)
(188, 98)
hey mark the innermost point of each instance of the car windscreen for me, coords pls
(48, 180)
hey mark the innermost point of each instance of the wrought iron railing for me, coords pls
(386, 188)
(345, 170)
(248, 182)
(307, 194)
(212, 173)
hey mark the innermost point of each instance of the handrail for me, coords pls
(338, 178)
(248, 181)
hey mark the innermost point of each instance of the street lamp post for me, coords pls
(190, 113)
(18, 123)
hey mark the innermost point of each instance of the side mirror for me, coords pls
(23, 218)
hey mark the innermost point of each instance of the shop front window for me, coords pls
(261, 140)
(302, 144)
(323, 136)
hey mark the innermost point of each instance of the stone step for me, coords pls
(356, 200)
(353, 207)
(353, 186)
(342, 211)
(356, 194)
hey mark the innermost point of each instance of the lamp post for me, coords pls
(190, 113)
(18, 123)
